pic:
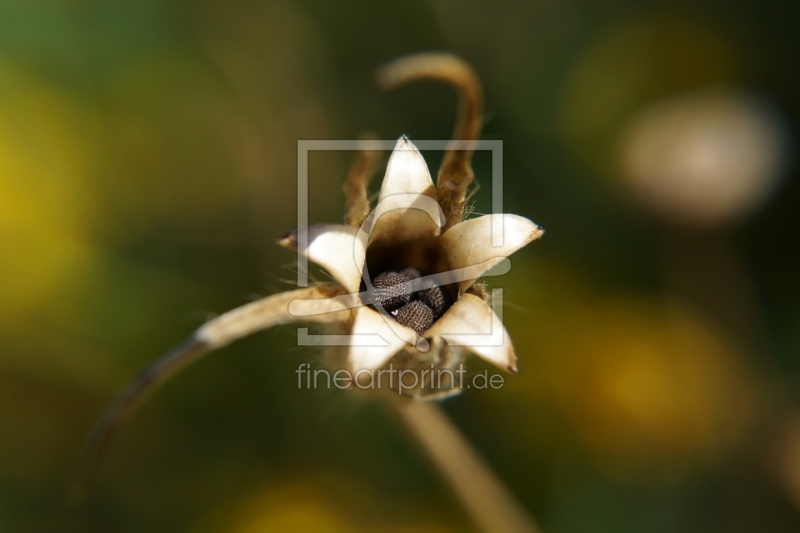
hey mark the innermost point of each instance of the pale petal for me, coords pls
(382, 338)
(469, 244)
(407, 205)
(337, 248)
(471, 323)
(272, 311)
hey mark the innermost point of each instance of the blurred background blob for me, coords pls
(148, 160)
(704, 158)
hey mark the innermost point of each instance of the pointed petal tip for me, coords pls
(336, 248)
(288, 239)
(407, 204)
(520, 225)
(405, 144)
(409, 158)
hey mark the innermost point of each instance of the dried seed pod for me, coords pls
(390, 291)
(415, 315)
(432, 296)
(428, 292)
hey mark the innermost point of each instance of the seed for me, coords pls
(432, 296)
(415, 315)
(390, 291)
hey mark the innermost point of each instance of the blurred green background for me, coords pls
(148, 160)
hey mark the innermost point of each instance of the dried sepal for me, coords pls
(376, 339)
(273, 311)
(233, 325)
(469, 244)
(455, 174)
(337, 248)
(407, 205)
(356, 198)
(472, 324)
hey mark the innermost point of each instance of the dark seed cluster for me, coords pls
(412, 306)
(390, 291)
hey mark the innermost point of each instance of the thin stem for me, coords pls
(216, 333)
(483, 495)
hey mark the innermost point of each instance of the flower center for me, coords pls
(415, 304)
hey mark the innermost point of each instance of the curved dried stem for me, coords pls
(356, 206)
(455, 175)
(481, 493)
(233, 325)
